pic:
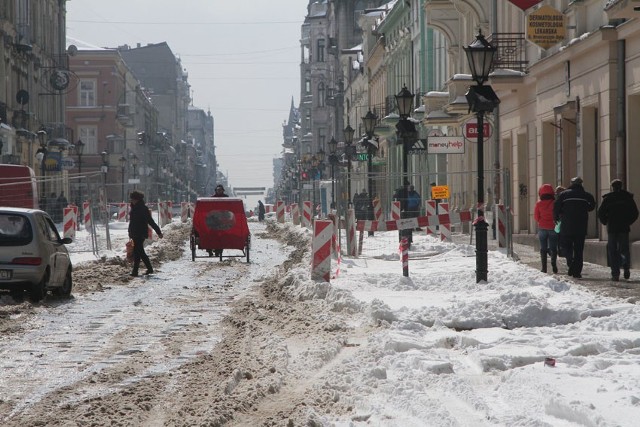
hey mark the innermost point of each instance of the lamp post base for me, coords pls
(481, 227)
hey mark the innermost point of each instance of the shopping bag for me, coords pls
(129, 250)
(557, 228)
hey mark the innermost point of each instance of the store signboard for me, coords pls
(546, 27)
(445, 145)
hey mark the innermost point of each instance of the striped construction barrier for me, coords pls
(445, 228)
(86, 211)
(184, 212)
(352, 246)
(395, 210)
(421, 221)
(169, 208)
(335, 244)
(122, 212)
(321, 250)
(404, 256)
(430, 206)
(295, 214)
(502, 228)
(280, 212)
(68, 222)
(306, 214)
(377, 209)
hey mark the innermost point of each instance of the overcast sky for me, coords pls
(242, 57)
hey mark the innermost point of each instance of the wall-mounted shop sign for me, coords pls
(445, 145)
(546, 27)
(525, 4)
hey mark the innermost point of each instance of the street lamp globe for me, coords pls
(79, 147)
(480, 55)
(348, 135)
(369, 121)
(404, 101)
(333, 146)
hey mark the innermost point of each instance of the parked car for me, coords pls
(33, 257)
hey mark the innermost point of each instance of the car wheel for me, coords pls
(65, 289)
(39, 290)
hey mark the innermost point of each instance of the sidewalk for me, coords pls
(594, 276)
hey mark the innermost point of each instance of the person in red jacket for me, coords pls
(543, 214)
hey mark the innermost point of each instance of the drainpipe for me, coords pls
(621, 164)
(496, 135)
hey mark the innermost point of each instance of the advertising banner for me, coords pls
(445, 145)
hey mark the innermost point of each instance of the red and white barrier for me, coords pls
(430, 206)
(69, 223)
(295, 214)
(445, 228)
(352, 245)
(86, 210)
(395, 210)
(335, 244)
(280, 211)
(169, 211)
(306, 214)
(184, 212)
(122, 212)
(377, 209)
(422, 221)
(77, 218)
(502, 229)
(321, 250)
(404, 256)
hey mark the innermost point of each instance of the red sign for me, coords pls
(471, 130)
(525, 4)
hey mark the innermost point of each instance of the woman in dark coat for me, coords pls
(261, 210)
(139, 221)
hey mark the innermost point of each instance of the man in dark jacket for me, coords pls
(139, 221)
(572, 207)
(618, 211)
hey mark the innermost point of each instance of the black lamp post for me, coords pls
(123, 163)
(349, 151)
(41, 156)
(481, 99)
(134, 162)
(79, 150)
(333, 161)
(369, 121)
(407, 134)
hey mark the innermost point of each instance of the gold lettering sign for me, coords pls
(546, 27)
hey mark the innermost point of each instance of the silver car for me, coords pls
(33, 257)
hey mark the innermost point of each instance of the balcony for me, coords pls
(510, 52)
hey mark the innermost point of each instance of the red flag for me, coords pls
(525, 4)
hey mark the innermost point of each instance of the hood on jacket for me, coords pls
(546, 189)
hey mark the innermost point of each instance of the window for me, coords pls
(320, 54)
(89, 135)
(307, 83)
(321, 95)
(87, 93)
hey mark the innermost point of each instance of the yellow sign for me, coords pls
(546, 27)
(440, 192)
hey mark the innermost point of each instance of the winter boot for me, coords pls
(554, 259)
(543, 260)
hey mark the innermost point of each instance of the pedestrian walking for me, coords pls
(139, 221)
(618, 211)
(261, 211)
(402, 195)
(572, 209)
(543, 214)
(413, 203)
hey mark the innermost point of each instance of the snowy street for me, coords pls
(226, 343)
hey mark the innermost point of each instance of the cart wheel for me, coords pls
(193, 248)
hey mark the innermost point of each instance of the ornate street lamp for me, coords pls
(123, 163)
(333, 161)
(407, 135)
(349, 151)
(369, 121)
(481, 99)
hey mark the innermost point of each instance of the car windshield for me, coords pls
(15, 230)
